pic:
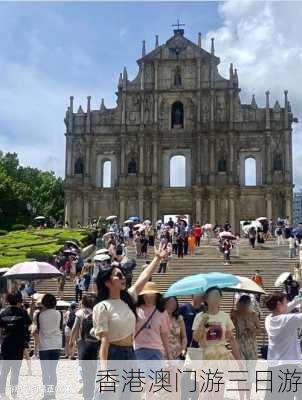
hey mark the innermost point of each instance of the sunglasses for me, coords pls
(119, 275)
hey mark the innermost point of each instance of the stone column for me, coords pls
(212, 160)
(155, 95)
(154, 209)
(269, 206)
(198, 209)
(122, 210)
(232, 212)
(155, 162)
(198, 160)
(212, 209)
(231, 165)
(67, 213)
(141, 156)
(87, 171)
(123, 145)
(288, 206)
(141, 205)
(68, 156)
(86, 211)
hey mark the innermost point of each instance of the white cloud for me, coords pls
(263, 40)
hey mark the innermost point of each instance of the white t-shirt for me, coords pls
(115, 317)
(284, 345)
(50, 334)
(126, 231)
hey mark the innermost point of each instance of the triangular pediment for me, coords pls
(177, 46)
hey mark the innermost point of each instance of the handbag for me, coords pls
(145, 323)
(264, 349)
(193, 354)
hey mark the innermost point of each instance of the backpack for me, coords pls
(13, 326)
(71, 319)
(119, 249)
(86, 326)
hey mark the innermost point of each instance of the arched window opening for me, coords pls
(79, 167)
(107, 174)
(177, 115)
(250, 172)
(177, 77)
(222, 165)
(178, 171)
(278, 162)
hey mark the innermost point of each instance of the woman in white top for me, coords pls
(114, 317)
(284, 351)
(48, 324)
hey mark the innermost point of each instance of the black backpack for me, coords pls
(86, 326)
(71, 319)
(119, 249)
(13, 326)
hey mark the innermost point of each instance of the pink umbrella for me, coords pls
(32, 270)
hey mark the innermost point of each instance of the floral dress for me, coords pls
(174, 337)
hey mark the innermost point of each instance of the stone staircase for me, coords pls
(269, 259)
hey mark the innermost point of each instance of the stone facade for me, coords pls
(178, 104)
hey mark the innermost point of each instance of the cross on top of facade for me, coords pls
(178, 24)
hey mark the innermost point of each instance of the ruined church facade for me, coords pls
(120, 160)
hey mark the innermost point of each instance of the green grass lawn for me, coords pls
(20, 246)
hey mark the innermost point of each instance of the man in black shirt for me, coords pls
(14, 324)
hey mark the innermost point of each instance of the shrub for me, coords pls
(18, 227)
(3, 232)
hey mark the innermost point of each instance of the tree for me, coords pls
(26, 192)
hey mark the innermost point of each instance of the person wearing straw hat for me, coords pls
(116, 334)
(152, 325)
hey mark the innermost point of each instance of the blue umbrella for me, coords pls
(199, 283)
(297, 231)
(134, 218)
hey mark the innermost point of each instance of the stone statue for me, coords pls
(132, 167)
(177, 115)
(278, 163)
(177, 77)
(79, 167)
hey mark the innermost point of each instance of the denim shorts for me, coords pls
(148, 354)
(121, 353)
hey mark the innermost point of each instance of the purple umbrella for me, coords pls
(32, 270)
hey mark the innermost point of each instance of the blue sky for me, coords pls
(49, 51)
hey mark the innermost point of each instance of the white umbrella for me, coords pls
(139, 226)
(39, 217)
(227, 235)
(63, 304)
(281, 279)
(108, 234)
(111, 217)
(147, 222)
(261, 219)
(246, 285)
(3, 270)
(102, 257)
(102, 251)
(256, 224)
(128, 222)
(32, 270)
(208, 227)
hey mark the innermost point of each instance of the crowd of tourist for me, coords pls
(114, 318)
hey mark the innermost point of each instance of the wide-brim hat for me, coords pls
(150, 288)
(102, 257)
